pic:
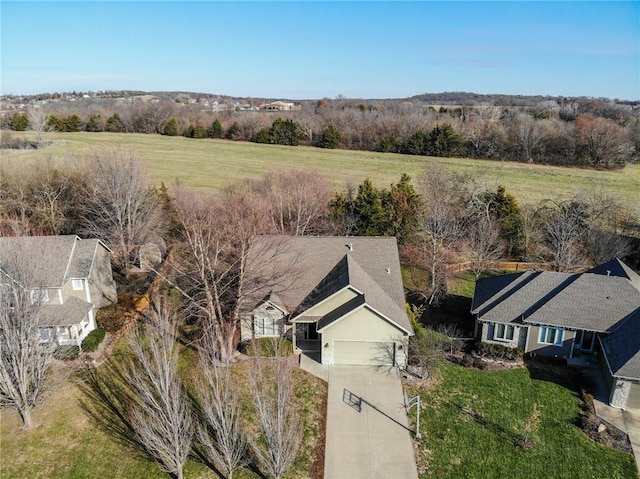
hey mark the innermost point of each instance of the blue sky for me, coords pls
(308, 50)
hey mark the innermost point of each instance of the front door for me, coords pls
(310, 331)
(585, 340)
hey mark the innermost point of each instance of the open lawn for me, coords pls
(210, 164)
(471, 420)
(68, 443)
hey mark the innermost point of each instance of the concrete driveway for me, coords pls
(367, 430)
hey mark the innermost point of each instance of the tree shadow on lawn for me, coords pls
(107, 398)
(492, 426)
(558, 372)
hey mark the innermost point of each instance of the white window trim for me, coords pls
(261, 327)
(544, 331)
(504, 337)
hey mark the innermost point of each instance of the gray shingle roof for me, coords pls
(71, 312)
(590, 302)
(615, 267)
(587, 301)
(622, 349)
(324, 265)
(520, 296)
(58, 258)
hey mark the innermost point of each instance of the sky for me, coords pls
(308, 50)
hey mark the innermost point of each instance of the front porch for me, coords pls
(306, 338)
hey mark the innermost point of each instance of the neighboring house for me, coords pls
(339, 297)
(277, 106)
(72, 279)
(561, 315)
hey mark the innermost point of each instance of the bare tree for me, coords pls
(298, 201)
(213, 271)
(220, 433)
(483, 242)
(160, 414)
(38, 122)
(24, 357)
(120, 208)
(453, 333)
(272, 386)
(564, 226)
(439, 226)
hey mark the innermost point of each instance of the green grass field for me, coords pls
(470, 419)
(210, 164)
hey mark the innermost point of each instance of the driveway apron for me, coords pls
(367, 429)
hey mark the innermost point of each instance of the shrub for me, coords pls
(499, 351)
(66, 353)
(93, 339)
(267, 347)
(113, 318)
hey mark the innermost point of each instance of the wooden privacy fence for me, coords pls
(501, 265)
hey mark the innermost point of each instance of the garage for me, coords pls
(365, 353)
(633, 400)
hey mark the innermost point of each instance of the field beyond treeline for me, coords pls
(210, 164)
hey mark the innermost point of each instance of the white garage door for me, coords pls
(367, 353)
(633, 401)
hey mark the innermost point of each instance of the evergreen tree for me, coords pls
(172, 128)
(19, 122)
(114, 124)
(55, 123)
(504, 208)
(95, 123)
(72, 123)
(415, 144)
(402, 205)
(216, 130)
(233, 133)
(330, 137)
(443, 141)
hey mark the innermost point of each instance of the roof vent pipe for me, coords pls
(388, 270)
(350, 246)
(608, 272)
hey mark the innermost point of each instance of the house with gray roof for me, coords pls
(562, 315)
(71, 277)
(339, 297)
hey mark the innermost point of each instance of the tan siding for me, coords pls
(549, 350)
(331, 303)
(360, 325)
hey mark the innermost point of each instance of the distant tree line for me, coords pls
(595, 134)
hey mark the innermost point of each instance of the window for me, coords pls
(550, 335)
(503, 332)
(39, 295)
(77, 284)
(265, 326)
(46, 335)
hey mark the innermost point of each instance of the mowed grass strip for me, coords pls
(210, 164)
(470, 420)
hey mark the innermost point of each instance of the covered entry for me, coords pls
(367, 353)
